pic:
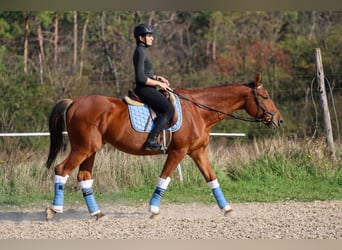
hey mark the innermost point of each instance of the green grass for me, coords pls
(280, 171)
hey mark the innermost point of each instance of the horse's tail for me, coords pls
(56, 127)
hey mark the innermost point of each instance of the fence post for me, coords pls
(179, 170)
(324, 104)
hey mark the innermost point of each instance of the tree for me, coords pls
(55, 38)
(84, 33)
(27, 20)
(75, 39)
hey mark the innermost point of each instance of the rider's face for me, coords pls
(148, 39)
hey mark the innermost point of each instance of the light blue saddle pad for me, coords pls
(140, 114)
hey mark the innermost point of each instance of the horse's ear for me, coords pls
(257, 80)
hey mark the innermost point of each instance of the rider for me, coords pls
(147, 82)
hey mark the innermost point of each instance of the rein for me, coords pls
(219, 111)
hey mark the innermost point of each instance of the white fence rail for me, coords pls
(26, 134)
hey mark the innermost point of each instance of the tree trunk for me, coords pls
(41, 42)
(312, 29)
(27, 21)
(214, 44)
(41, 70)
(84, 32)
(75, 40)
(150, 19)
(108, 56)
(55, 39)
(41, 51)
(207, 49)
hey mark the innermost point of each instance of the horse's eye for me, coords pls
(265, 97)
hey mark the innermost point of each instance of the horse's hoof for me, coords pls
(99, 215)
(49, 213)
(155, 216)
(228, 212)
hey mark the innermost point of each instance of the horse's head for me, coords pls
(261, 106)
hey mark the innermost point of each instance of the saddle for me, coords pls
(133, 99)
(165, 136)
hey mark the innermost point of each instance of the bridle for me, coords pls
(267, 115)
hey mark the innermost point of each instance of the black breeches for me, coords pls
(157, 101)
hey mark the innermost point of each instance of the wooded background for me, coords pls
(49, 55)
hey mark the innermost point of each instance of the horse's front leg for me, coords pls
(200, 157)
(163, 182)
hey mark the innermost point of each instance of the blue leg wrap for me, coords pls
(90, 200)
(59, 195)
(157, 196)
(221, 201)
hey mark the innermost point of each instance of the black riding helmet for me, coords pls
(143, 29)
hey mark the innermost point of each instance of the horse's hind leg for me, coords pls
(58, 201)
(61, 176)
(85, 180)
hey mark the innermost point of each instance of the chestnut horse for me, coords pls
(94, 120)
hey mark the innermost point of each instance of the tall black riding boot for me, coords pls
(152, 142)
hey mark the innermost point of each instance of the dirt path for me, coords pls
(288, 220)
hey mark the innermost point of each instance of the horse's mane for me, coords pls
(224, 84)
(249, 84)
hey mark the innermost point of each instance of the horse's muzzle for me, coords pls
(276, 121)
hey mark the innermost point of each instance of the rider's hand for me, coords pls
(163, 79)
(164, 85)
